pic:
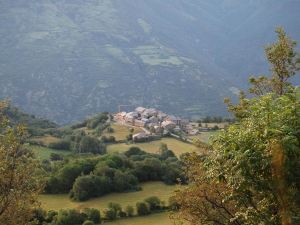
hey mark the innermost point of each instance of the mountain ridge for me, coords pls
(65, 60)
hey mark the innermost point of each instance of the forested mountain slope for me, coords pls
(66, 59)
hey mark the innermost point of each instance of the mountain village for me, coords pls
(155, 123)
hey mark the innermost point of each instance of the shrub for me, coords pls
(142, 208)
(50, 216)
(69, 217)
(39, 215)
(110, 139)
(113, 211)
(122, 214)
(55, 157)
(129, 211)
(60, 145)
(93, 215)
(110, 214)
(134, 151)
(154, 203)
(91, 145)
(124, 181)
(173, 204)
(89, 186)
(88, 222)
(129, 137)
(110, 130)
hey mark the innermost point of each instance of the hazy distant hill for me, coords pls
(66, 59)
(31, 122)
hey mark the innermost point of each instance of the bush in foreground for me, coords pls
(142, 208)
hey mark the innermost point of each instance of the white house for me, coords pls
(168, 125)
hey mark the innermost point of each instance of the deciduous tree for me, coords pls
(19, 182)
(251, 174)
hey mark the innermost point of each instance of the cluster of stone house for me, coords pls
(154, 120)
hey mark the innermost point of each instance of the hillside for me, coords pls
(33, 123)
(66, 59)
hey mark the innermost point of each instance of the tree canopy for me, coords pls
(19, 181)
(251, 173)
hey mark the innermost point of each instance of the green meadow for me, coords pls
(154, 219)
(43, 153)
(62, 201)
(178, 147)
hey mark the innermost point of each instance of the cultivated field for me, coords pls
(178, 147)
(159, 189)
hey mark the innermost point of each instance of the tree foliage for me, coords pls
(251, 174)
(19, 181)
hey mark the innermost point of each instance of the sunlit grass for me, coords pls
(43, 153)
(154, 219)
(178, 147)
(159, 189)
(121, 131)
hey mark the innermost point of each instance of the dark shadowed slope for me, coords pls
(66, 59)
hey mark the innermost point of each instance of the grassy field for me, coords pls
(154, 219)
(205, 136)
(159, 189)
(178, 147)
(121, 131)
(44, 153)
(46, 140)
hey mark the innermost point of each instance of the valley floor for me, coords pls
(154, 219)
(62, 201)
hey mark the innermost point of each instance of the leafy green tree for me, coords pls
(112, 211)
(110, 214)
(110, 129)
(39, 216)
(69, 217)
(51, 216)
(20, 183)
(89, 186)
(149, 169)
(91, 145)
(165, 152)
(124, 181)
(60, 145)
(129, 137)
(284, 61)
(55, 157)
(134, 151)
(251, 174)
(142, 208)
(88, 222)
(129, 211)
(62, 181)
(154, 203)
(93, 215)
